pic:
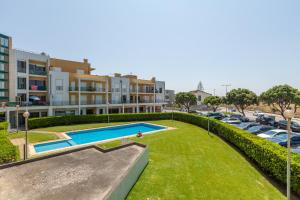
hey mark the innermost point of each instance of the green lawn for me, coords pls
(34, 137)
(187, 163)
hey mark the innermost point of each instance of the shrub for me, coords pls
(8, 152)
(83, 119)
(270, 157)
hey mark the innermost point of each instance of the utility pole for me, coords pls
(226, 91)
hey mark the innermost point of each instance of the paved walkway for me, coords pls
(20, 143)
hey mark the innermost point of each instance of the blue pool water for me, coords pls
(96, 135)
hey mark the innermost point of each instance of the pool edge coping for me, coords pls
(32, 152)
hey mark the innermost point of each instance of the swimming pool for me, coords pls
(97, 135)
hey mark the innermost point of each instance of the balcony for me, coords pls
(38, 88)
(38, 72)
(87, 89)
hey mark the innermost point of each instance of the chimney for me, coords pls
(117, 75)
(85, 60)
(153, 79)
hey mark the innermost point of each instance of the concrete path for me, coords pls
(20, 143)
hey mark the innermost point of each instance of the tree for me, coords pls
(241, 99)
(281, 97)
(213, 101)
(185, 99)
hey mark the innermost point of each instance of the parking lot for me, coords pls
(267, 126)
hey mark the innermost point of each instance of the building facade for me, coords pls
(47, 86)
(170, 97)
(5, 46)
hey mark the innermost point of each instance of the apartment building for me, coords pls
(47, 86)
(5, 46)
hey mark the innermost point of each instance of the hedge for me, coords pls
(83, 119)
(270, 157)
(8, 152)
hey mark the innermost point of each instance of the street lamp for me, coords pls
(17, 117)
(226, 91)
(288, 114)
(26, 116)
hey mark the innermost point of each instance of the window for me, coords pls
(80, 71)
(21, 97)
(21, 66)
(2, 67)
(2, 58)
(59, 84)
(2, 84)
(2, 94)
(2, 76)
(160, 90)
(3, 50)
(4, 42)
(22, 83)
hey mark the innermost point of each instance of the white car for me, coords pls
(272, 133)
(258, 113)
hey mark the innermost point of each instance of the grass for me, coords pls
(34, 137)
(188, 163)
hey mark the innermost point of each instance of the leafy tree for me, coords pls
(241, 99)
(213, 101)
(186, 100)
(281, 97)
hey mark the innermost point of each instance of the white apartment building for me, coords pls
(48, 86)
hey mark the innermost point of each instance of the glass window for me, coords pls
(2, 84)
(22, 83)
(2, 67)
(80, 71)
(59, 84)
(2, 94)
(21, 66)
(2, 58)
(2, 76)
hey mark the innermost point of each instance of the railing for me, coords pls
(37, 72)
(87, 89)
(38, 88)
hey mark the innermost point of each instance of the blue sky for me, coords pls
(253, 44)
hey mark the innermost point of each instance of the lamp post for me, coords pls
(226, 91)
(288, 114)
(17, 117)
(26, 116)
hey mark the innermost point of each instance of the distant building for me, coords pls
(169, 97)
(200, 93)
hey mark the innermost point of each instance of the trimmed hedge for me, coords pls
(84, 119)
(8, 152)
(270, 157)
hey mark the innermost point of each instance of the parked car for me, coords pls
(296, 150)
(231, 120)
(260, 129)
(258, 113)
(216, 115)
(193, 111)
(240, 117)
(272, 133)
(282, 124)
(247, 125)
(267, 120)
(282, 139)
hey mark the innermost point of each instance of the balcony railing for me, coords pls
(38, 88)
(87, 89)
(38, 72)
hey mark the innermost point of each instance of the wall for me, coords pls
(160, 97)
(59, 96)
(16, 55)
